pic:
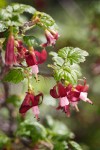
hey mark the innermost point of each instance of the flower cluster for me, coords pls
(70, 95)
(19, 54)
(16, 52)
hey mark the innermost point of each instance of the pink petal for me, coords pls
(83, 96)
(36, 111)
(35, 69)
(63, 101)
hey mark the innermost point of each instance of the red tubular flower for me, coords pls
(10, 57)
(34, 58)
(82, 89)
(51, 37)
(31, 101)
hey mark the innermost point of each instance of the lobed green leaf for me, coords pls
(15, 76)
(72, 55)
(47, 21)
(17, 9)
(11, 14)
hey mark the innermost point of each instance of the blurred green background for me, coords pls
(79, 26)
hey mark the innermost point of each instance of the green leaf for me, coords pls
(20, 8)
(31, 40)
(75, 146)
(9, 9)
(58, 74)
(15, 76)
(58, 60)
(69, 73)
(58, 145)
(54, 54)
(72, 55)
(47, 21)
(12, 14)
(66, 64)
(34, 130)
(5, 15)
(3, 27)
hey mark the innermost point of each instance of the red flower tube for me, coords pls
(51, 37)
(10, 57)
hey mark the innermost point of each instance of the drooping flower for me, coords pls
(34, 58)
(10, 58)
(51, 37)
(31, 101)
(60, 91)
(83, 90)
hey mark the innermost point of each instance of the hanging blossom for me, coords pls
(60, 91)
(10, 58)
(51, 37)
(34, 58)
(70, 96)
(31, 101)
(83, 90)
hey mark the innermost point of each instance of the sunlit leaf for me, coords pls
(72, 55)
